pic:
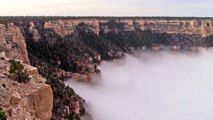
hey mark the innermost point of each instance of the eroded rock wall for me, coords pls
(67, 27)
(201, 27)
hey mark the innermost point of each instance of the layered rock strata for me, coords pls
(201, 27)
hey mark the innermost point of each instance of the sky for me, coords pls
(200, 8)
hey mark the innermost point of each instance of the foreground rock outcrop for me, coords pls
(32, 100)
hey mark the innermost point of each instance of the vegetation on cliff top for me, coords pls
(17, 71)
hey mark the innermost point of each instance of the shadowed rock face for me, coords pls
(201, 27)
(32, 29)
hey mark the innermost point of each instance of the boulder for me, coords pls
(40, 100)
(2, 55)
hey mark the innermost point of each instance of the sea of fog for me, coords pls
(152, 86)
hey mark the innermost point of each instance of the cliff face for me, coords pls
(67, 27)
(201, 27)
(32, 100)
(12, 42)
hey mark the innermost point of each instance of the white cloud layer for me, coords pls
(165, 86)
(107, 7)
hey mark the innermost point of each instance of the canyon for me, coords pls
(60, 48)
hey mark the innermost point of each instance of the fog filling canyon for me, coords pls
(152, 86)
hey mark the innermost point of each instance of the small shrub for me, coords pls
(18, 72)
(2, 114)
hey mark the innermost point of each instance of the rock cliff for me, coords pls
(201, 27)
(12, 42)
(67, 27)
(32, 100)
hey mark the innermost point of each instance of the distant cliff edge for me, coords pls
(201, 27)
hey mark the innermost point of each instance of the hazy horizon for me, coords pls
(176, 8)
(110, 16)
